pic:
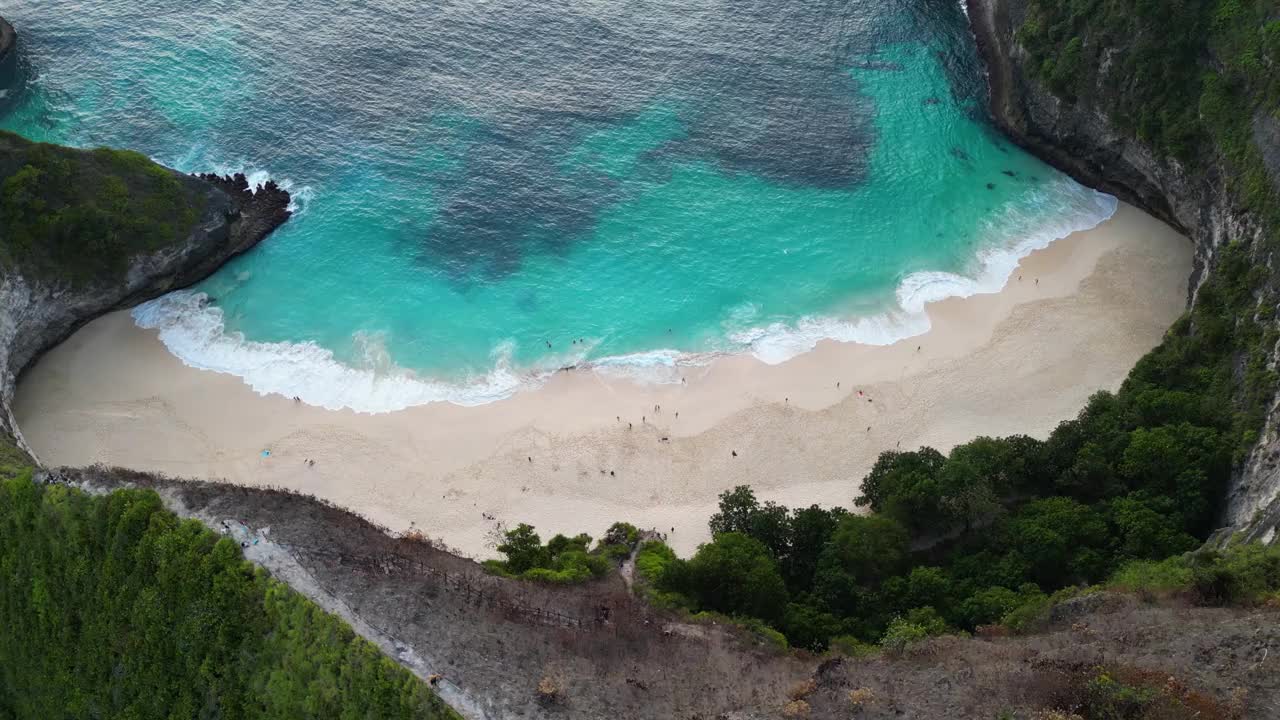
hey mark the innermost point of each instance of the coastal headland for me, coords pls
(586, 449)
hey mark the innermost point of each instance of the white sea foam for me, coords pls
(299, 197)
(193, 161)
(779, 342)
(1016, 232)
(664, 366)
(194, 331)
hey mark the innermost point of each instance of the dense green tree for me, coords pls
(115, 608)
(1060, 539)
(738, 508)
(1185, 462)
(740, 512)
(1091, 475)
(988, 606)
(811, 528)
(78, 215)
(966, 493)
(904, 485)
(810, 627)
(1010, 465)
(1148, 528)
(928, 619)
(867, 548)
(735, 574)
(923, 586)
(524, 549)
(563, 559)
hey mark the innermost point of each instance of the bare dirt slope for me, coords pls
(597, 652)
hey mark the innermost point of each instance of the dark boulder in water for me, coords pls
(1010, 173)
(991, 186)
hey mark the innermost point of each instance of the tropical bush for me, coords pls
(79, 215)
(114, 607)
(563, 559)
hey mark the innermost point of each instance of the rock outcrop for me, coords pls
(37, 314)
(1081, 139)
(8, 38)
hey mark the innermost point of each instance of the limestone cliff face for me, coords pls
(37, 314)
(1080, 139)
(7, 38)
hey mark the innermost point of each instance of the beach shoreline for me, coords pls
(587, 449)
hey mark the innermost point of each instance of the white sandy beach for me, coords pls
(1018, 361)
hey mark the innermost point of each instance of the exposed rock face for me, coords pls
(1081, 140)
(7, 38)
(35, 315)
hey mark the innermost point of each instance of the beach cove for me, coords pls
(587, 449)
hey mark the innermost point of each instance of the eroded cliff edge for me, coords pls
(7, 38)
(39, 310)
(1082, 136)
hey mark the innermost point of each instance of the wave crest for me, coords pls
(1018, 231)
(194, 330)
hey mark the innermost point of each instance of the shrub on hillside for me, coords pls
(79, 216)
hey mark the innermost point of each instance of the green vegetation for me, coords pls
(78, 216)
(970, 538)
(562, 559)
(999, 529)
(13, 462)
(1186, 76)
(986, 533)
(114, 607)
(1246, 574)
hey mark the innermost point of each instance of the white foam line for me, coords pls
(299, 197)
(195, 332)
(1020, 232)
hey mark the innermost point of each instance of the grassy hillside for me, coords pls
(79, 215)
(115, 608)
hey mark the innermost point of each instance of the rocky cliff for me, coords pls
(1081, 136)
(7, 38)
(37, 313)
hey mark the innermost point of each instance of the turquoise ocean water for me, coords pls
(479, 186)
